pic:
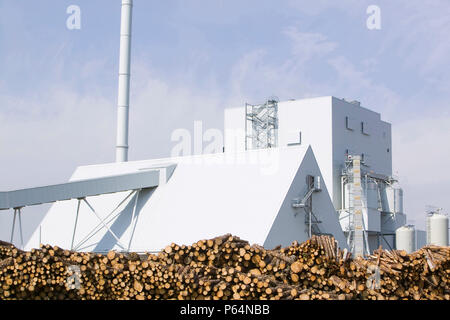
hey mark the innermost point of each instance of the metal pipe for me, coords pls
(310, 223)
(124, 81)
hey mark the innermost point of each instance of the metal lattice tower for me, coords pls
(356, 209)
(357, 234)
(261, 125)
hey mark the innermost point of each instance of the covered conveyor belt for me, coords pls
(149, 178)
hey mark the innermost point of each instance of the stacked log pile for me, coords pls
(225, 267)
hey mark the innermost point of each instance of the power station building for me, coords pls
(337, 130)
(287, 172)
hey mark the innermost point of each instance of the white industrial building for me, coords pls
(284, 174)
(288, 170)
(249, 194)
(336, 130)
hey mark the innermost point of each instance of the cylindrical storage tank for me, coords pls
(372, 195)
(398, 200)
(387, 199)
(437, 229)
(405, 239)
(347, 196)
(392, 199)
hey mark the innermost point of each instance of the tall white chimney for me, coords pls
(124, 82)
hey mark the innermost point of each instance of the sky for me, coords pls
(193, 58)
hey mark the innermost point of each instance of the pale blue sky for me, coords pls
(192, 58)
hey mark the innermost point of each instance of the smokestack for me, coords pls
(124, 82)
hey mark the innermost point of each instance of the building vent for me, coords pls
(294, 138)
(350, 123)
(365, 128)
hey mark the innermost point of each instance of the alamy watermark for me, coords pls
(73, 22)
(73, 281)
(373, 282)
(195, 145)
(373, 22)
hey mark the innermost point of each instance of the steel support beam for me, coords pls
(104, 224)
(99, 226)
(75, 225)
(17, 213)
(133, 219)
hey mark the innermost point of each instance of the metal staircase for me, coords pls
(311, 220)
(261, 125)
